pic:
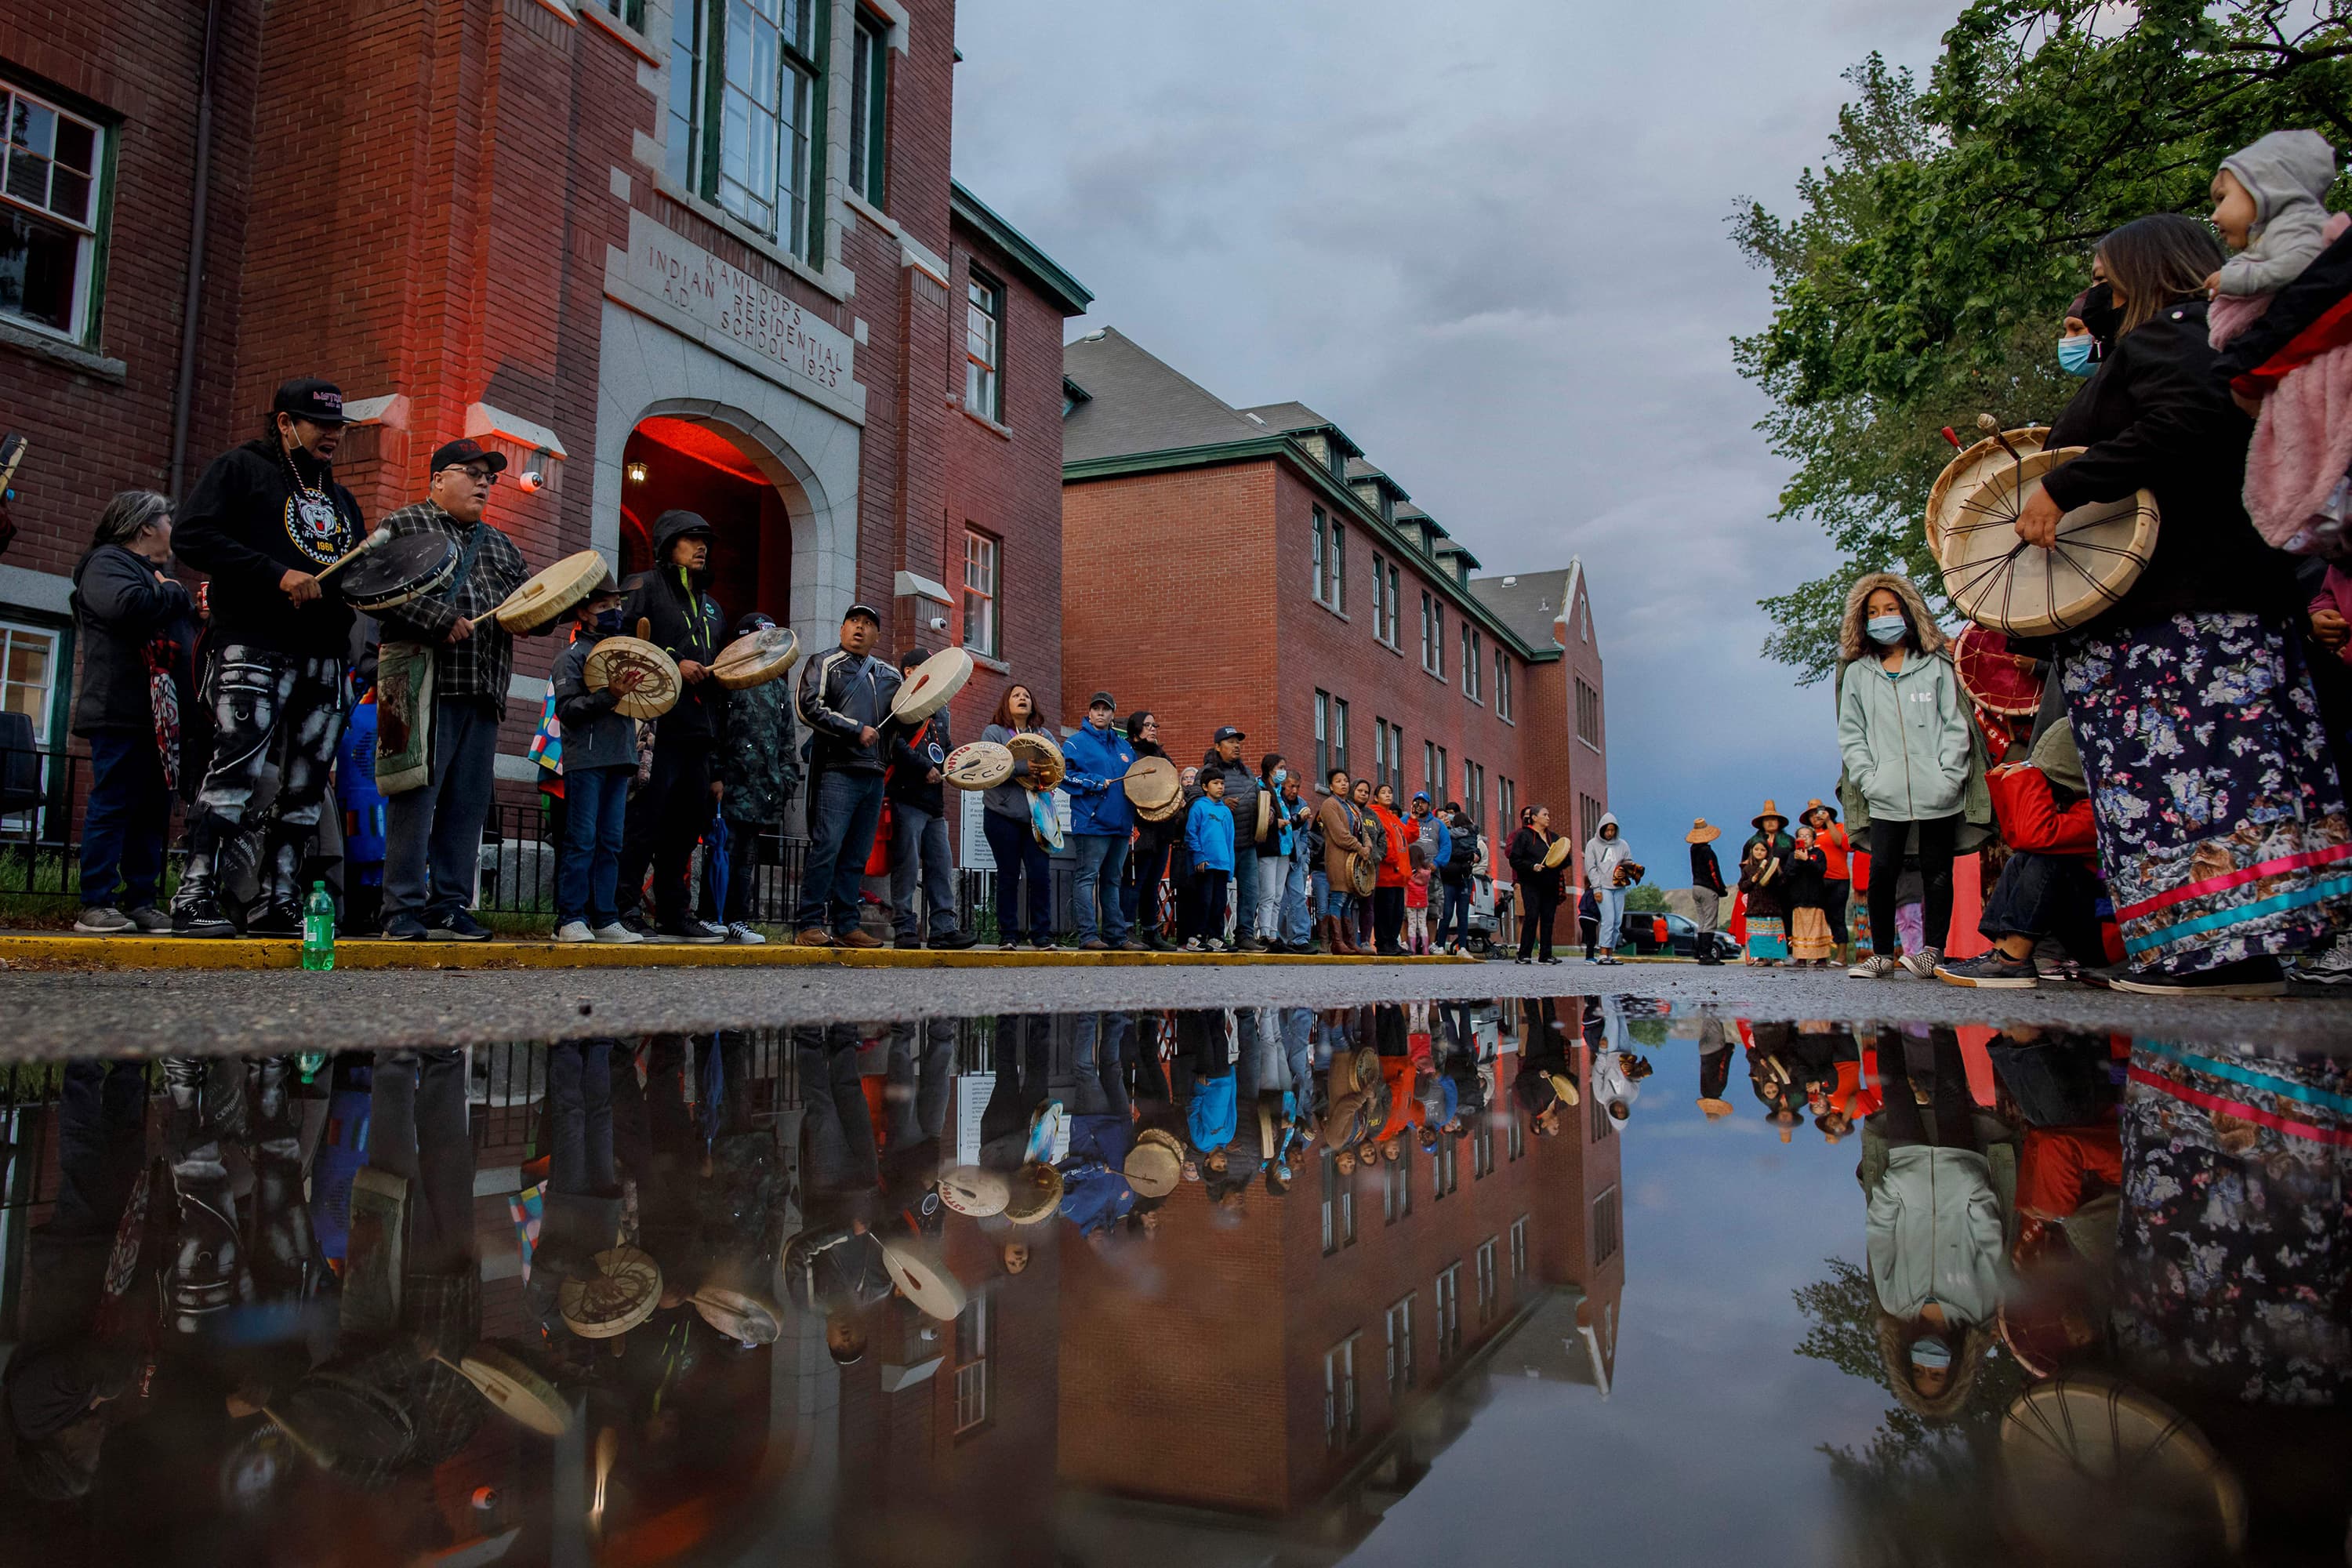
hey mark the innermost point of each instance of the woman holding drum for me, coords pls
(1009, 821)
(2222, 824)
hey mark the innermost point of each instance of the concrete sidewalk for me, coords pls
(72, 951)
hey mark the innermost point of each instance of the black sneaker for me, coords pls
(688, 928)
(460, 926)
(908, 944)
(200, 917)
(405, 928)
(2248, 977)
(150, 919)
(954, 941)
(1993, 970)
(275, 920)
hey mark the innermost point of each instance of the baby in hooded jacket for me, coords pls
(2268, 202)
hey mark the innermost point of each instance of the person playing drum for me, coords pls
(669, 811)
(758, 771)
(1101, 822)
(433, 834)
(600, 763)
(1022, 862)
(916, 791)
(262, 520)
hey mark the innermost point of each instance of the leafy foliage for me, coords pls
(1926, 268)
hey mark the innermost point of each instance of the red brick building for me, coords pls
(1248, 566)
(593, 234)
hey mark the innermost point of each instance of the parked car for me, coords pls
(1682, 936)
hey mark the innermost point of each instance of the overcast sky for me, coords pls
(1498, 255)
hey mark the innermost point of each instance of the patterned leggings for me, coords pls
(261, 699)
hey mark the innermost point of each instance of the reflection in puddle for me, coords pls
(1201, 1287)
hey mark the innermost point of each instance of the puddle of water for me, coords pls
(1573, 1279)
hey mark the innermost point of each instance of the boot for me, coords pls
(285, 1257)
(1342, 943)
(277, 911)
(196, 904)
(208, 1267)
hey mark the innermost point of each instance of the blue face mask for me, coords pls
(1280, 774)
(608, 622)
(1886, 629)
(2075, 355)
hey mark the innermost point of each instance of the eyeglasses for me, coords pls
(479, 476)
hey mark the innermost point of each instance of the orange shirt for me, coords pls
(1834, 847)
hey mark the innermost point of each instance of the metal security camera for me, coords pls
(939, 623)
(529, 480)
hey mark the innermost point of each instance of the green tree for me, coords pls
(1926, 268)
(1647, 897)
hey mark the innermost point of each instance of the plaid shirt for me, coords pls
(478, 668)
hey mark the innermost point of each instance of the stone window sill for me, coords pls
(1001, 431)
(57, 351)
(987, 661)
(628, 36)
(1332, 610)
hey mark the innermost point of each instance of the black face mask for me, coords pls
(608, 622)
(2097, 310)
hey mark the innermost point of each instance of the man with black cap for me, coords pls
(262, 520)
(1102, 820)
(669, 811)
(844, 700)
(1225, 760)
(433, 833)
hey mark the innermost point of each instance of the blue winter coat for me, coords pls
(1098, 760)
(1209, 835)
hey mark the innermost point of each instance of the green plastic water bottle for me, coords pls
(319, 928)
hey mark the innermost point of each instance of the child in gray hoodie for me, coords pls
(2269, 204)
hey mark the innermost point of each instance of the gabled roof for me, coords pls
(1139, 404)
(1041, 270)
(1529, 603)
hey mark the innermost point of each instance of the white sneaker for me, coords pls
(1923, 963)
(1192, 944)
(1873, 967)
(1214, 944)
(574, 930)
(617, 932)
(738, 932)
(2333, 967)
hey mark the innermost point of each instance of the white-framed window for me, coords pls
(50, 228)
(1473, 790)
(1396, 605)
(1341, 1423)
(973, 1331)
(1449, 1310)
(1434, 765)
(1323, 763)
(983, 626)
(1396, 1188)
(744, 77)
(1398, 1325)
(1339, 1206)
(28, 674)
(1336, 594)
(1444, 1177)
(1340, 736)
(1515, 1138)
(869, 109)
(983, 347)
(1587, 816)
(1474, 660)
(1490, 1282)
(1588, 713)
(1396, 758)
(1502, 684)
(1482, 1148)
(1519, 1245)
(1507, 803)
(1388, 751)
(1605, 1221)
(1428, 635)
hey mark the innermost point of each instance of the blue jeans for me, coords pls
(1612, 916)
(1319, 892)
(1297, 930)
(1243, 899)
(918, 843)
(1101, 857)
(433, 834)
(128, 815)
(1020, 860)
(595, 812)
(843, 812)
(1453, 913)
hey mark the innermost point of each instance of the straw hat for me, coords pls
(1818, 804)
(1717, 1109)
(1164, 1139)
(1701, 833)
(1151, 1170)
(1770, 813)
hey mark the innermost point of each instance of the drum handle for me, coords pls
(356, 551)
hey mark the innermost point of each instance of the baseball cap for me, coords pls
(308, 397)
(449, 454)
(1420, 795)
(1102, 699)
(1228, 733)
(868, 611)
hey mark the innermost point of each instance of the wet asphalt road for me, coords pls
(47, 1014)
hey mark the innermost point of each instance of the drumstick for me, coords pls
(1991, 426)
(1953, 436)
(361, 548)
(645, 628)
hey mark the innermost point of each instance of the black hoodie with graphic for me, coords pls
(243, 524)
(686, 625)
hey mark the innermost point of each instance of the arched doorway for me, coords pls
(704, 466)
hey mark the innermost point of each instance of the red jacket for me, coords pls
(2030, 819)
(1396, 869)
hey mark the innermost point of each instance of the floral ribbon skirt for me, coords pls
(2222, 824)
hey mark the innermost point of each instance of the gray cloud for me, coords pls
(1496, 253)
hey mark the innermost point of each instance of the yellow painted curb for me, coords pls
(45, 951)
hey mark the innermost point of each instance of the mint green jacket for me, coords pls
(1906, 742)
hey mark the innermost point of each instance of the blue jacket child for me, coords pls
(1208, 829)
